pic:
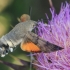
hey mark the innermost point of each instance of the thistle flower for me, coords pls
(57, 31)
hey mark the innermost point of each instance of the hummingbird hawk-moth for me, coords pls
(22, 34)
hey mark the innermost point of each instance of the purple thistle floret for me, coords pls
(57, 31)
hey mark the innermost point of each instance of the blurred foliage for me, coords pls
(5, 22)
(10, 10)
(4, 4)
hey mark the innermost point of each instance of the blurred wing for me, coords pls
(34, 43)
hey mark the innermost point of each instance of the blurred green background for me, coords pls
(10, 10)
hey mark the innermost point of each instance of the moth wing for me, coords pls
(34, 43)
(29, 47)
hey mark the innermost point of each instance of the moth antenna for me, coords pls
(30, 11)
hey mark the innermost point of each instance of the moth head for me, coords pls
(33, 24)
(23, 18)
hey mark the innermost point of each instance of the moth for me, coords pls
(22, 34)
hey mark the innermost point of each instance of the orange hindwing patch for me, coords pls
(29, 47)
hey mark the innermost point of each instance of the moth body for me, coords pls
(30, 42)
